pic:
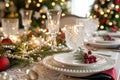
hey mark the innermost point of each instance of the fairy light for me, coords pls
(27, 5)
(43, 16)
(116, 16)
(95, 6)
(41, 11)
(102, 13)
(101, 27)
(63, 14)
(108, 10)
(102, 2)
(61, 3)
(7, 5)
(29, 1)
(117, 6)
(63, 0)
(42, 21)
(110, 23)
(111, 12)
(53, 3)
(112, 5)
(40, 0)
(105, 15)
(38, 4)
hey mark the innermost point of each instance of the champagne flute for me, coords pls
(26, 18)
(53, 20)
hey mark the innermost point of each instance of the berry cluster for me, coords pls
(88, 58)
(108, 38)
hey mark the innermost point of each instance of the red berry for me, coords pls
(91, 60)
(85, 56)
(89, 52)
(85, 61)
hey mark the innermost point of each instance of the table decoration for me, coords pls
(25, 48)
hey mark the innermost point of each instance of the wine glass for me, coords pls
(10, 26)
(26, 18)
(74, 36)
(90, 27)
(53, 20)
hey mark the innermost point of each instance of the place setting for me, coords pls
(81, 62)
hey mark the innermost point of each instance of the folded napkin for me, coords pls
(105, 75)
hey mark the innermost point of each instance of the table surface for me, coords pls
(37, 71)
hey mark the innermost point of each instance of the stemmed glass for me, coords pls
(74, 36)
(26, 18)
(53, 20)
(10, 26)
(90, 27)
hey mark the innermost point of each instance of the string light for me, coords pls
(29, 1)
(27, 5)
(63, 14)
(53, 3)
(110, 23)
(105, 15)
(102, 13)
(108, 10)
(101, 27)
(7, 5)
(38, 4)
(42, 21)
(117, 6)
(116, 16)
(61, 3)
(96, 6)
(63, 0)
(43, 16)
(41, 11)
(40, 0)
(111, 12)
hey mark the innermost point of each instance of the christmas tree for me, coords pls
(11, 9)
(108, 14)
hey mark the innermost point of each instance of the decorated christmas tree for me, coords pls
(11, 9)
(108, 14)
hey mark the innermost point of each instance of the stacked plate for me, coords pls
(104, 32)
(99, 42)
(66, 64)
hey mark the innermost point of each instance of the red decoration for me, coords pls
(4, 63)
(117, 1)
(7, 41)
(118, 9)
(103, 20)
(114, 28)
(97, 15)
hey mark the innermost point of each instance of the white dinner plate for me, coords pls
(104, 32)
(101, 40)
(69, 59)
(77, 72)
(103, 45)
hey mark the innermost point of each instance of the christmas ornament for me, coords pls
(7, 41)
(57, 7)
(36, 15)
(4, 63)
(103, 20)
(114, 28)
(117, 1)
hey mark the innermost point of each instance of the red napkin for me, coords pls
(111, 72)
